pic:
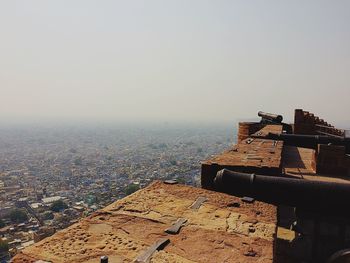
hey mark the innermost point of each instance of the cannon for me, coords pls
(305, 195)
(270, 117)
(309, 141)
(317, 207)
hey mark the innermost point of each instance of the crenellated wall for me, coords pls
(307, 123)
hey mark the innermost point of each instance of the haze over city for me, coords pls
(192, 61)
(174, 131)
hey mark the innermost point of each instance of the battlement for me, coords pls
(307, 123)
(309, 153)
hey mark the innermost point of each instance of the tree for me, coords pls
(18, 216)
(131, 188)
(2, 223)
(4, 247)
(58, 205)
(48, 215)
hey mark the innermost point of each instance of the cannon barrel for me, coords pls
(310, 141)
(304, 194)
(270, 117)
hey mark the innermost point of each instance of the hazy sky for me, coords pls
(173, 60)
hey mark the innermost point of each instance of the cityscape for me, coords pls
(174, 131)
(52, 176)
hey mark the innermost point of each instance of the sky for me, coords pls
(193, 61)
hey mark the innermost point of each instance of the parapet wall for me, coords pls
(251, 155)
(129, 230)
(307, 123)
(245, 129)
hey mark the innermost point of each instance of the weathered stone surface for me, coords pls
(216, 232)
(260, 156)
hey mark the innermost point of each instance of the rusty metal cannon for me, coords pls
(309, 141)
(274, 119)
(270, 117)
(315, 196)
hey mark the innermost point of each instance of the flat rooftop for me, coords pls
(219, 228)
(299, 163)
(252, 155)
